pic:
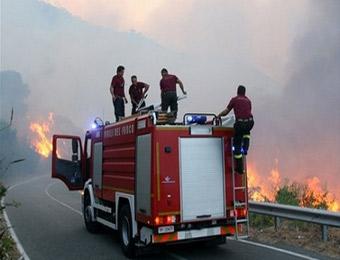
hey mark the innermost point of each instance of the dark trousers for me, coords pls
(241, 141)
(169, 99)
(119, 106)
(134, 108)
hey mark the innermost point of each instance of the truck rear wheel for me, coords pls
(91, 226)
(125, 231)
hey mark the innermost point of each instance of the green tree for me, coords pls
(288, 194)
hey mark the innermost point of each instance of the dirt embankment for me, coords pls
(297, 234)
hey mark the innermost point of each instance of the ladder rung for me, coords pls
(240, 188)
(239, 204)
(242, 220)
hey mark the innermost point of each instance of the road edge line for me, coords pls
(285, 251)
(13, 234)
(60, 202)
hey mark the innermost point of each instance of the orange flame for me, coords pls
(315, 190)
(260, 189)
(264, 188)
(42, 141)
(275, 177)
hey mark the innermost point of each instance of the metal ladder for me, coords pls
(244, 221)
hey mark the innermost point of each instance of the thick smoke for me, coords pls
(16, 139)
(302, 127)
(70, 63)
(13, 94)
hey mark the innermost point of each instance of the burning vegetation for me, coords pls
(271, 188)
(41, 140)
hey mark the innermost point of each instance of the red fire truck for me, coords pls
(154, 182)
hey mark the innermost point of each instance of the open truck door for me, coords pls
(68, 161)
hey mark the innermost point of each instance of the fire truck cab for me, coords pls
(154, 182)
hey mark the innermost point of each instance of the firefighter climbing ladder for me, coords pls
(244, 221)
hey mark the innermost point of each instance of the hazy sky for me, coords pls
(261, 31)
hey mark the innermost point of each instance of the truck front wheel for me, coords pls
(91, 226)
(125, 231)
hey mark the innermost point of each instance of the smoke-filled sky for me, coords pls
(286, 53)
(260, 31)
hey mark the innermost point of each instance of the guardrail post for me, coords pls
(324, 231)
(277, 223)
(321, 217)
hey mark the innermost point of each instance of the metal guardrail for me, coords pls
(317, 216)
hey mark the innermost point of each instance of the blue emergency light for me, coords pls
(196, 119)
(98, 122)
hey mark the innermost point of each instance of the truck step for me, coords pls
(244, 220)
(102, 208)
(240, 188)
(240, 204)
(106, 223)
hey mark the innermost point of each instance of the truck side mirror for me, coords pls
(75, 150)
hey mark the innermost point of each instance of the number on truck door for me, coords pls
(67, 161)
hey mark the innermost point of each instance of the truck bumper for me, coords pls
(193, 234)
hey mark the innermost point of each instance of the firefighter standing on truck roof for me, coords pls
(168, 85)
(243, 124)
(137, 92)
(118, 94)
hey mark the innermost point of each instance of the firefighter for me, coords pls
(244, 122)
(137, 93)
(117, 92)
(168, 86)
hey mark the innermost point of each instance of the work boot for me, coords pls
(245, 146)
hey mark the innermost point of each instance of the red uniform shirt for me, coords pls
(118, 86)
(136, 92)
(242, 107)
(168, 83)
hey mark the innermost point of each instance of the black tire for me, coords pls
(125, 232)
(91, 226)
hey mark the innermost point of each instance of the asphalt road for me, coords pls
(49, 225)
